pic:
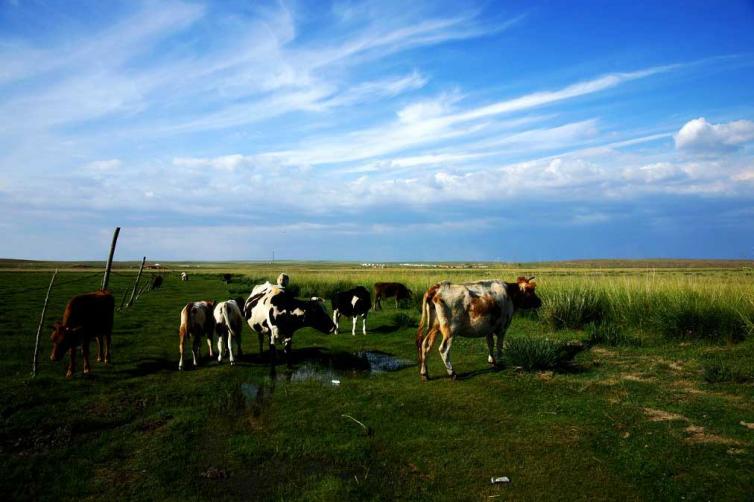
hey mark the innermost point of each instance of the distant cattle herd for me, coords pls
(481, 309)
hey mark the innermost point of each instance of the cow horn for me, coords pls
(531, 278)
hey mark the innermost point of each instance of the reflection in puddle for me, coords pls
(328, 367)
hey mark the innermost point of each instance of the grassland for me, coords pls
(659, 406)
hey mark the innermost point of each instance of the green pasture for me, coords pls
(658, 403)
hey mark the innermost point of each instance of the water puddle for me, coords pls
(317, 365)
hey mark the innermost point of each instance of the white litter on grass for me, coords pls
(335, 382)
(500, 479)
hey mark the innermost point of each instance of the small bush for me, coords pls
(718, 371)
(540, 353)
(609, 334)
(573, 308)
(402, 320)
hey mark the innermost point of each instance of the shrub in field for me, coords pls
(540, 353)
(696, 316)
(573, 308)
(402, 320)
(609, 334)
(718, 371)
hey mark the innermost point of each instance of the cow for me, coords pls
(229, 327)
(184, 276)
(256, 294)
(388, 290)
(227, 278)
(282, 280)
(156, 282)
(278, 314)
(354, 303)
(473, 309)
(85, 317)
(197, 320)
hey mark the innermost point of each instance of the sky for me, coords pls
(377, 131)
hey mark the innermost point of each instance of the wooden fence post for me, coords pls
(106, 279)
(138, 276)
(39, 328)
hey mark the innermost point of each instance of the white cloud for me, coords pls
(699, 136)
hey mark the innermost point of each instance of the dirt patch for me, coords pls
(747, 424)
(735, 451)
(636, 377)
(696, 434)
(545, 375)
(602, 352)
(655, 415)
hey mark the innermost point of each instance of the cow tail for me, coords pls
(226, 321)
(425, 319)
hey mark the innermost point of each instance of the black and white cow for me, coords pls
(353, 303)
(278, 314)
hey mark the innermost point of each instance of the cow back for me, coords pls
(92, 311)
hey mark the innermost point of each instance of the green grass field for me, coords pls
(660, 405)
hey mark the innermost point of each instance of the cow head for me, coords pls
(63, 338)
(525, 296)
(317, 316)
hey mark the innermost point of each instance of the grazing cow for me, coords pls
(474, 309)
(156, 282)
(279, 314)
(86, 316)
(197, 320)
(282, 280)
(388, 290)
(354, 303)
(227, 278)
(256, 294)
(229, 327)
(184, 276)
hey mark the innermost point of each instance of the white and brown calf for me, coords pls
(482, 309)
(229, 327)
(197, 320)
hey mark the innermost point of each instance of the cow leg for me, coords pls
(237, 338)
(335, 319)
(195, 345)
(220, 340)
(209, 344)
(287, 349)
(71, 362)
(447, 341)
(353, 325)
(100, 343)
(230, 348)
(181, 349)
(108, 344)
(490, 345)
(396, 301)
(425, 348)
(364, 322)
(85, 355)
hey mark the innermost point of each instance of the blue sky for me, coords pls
(377, 131)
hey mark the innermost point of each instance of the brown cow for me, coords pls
(86, 316)
(388, 290)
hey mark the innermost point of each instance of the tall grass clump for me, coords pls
(609, 333)
(573, 307)
(540, 353)
(718, 371)
(697, 316)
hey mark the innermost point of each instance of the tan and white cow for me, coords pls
(229, 327)
(197, 320)
(482, 309)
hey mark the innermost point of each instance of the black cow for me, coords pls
(156, 282)
(279, 314)
(390, 289)
(354, 302)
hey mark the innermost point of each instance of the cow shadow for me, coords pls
(481, 371)
(151, 366)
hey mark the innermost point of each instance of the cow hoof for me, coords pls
(424, 378)
(454, 376)
(69, 374)
(232, 363)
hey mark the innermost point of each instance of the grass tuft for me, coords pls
(718, 371)
(608, 333)
(572, 308)
(540, 353)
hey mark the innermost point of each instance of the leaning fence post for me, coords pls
(39, 328)
(106, 279)
(138, 276)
